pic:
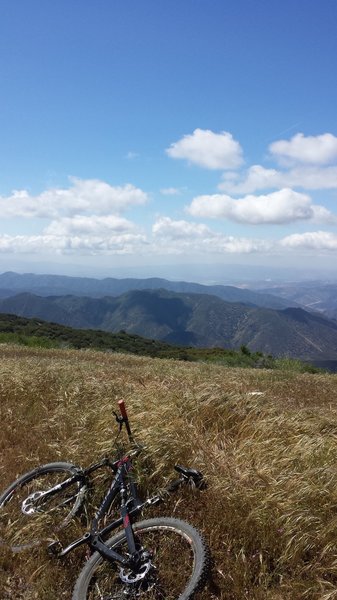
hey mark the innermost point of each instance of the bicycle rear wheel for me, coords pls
(176, 568)
(27, 517)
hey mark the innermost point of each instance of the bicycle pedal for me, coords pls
(54, 548)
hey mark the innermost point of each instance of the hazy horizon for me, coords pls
(207, 274)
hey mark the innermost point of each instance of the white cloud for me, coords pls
(74, 236)
(314, 150)
(208, 149)
(175, 230)
(178, 237)
(83, 196)
(283, 206)
(185, 237)
(89, 225)
(175, 237)
(85, 219)
(124, 243)
(312, 240)
(259, 178)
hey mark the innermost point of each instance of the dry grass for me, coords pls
(266, 441)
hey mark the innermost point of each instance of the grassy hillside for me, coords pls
(265, 440)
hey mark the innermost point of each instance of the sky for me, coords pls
(180, 137)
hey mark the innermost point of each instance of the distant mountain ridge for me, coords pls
(59, 285)
(198, 320)
(312, 295)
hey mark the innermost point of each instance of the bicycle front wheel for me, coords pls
(29, 516)
(175, 570)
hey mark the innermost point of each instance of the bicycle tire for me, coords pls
(21, 529)
(98, 572)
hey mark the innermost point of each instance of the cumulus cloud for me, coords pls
(85, 219)
(88, 215)
(77, 236)
(259, 178)
(124, 243)
(177, 237)
(167, 227)
(183, 237)
(89, 225)
(314, 150)
(83, 196)
(169, 236)
(312, 240)
(208, 149)
(283, 206)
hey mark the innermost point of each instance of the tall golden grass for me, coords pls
(265, 440)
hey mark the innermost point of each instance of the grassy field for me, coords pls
(266, 441)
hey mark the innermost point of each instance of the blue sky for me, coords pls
(138, 134)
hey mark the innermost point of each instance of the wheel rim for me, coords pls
(29, 517)
(172, 566)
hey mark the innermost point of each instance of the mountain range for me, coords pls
(199, 320)
(58, 285)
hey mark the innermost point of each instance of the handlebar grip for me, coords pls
(122, 409)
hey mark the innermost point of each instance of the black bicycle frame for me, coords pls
(94, 538)
(118, 485)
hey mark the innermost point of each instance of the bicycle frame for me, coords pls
(130, 504)
(94, 537)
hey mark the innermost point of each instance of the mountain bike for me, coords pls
(159, 558)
